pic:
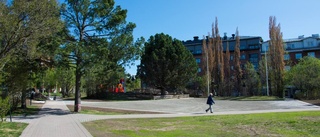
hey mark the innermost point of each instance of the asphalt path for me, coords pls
(198, 105)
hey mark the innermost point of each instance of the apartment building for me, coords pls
(250, 47)
(297, 48)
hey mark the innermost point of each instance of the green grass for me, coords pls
(97, 112)
(293, 124)
(250, 98)
(30, 110)
(52, 94)
(11, 129)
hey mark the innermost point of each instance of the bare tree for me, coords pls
(237, 67)
(276, 52)
(228, 84)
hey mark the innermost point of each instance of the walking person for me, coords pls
(210, 102)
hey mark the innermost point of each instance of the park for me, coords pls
(64, 73)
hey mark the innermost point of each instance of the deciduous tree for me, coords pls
(276, 53)
(23, 23)
(305, 76)
(237, 67)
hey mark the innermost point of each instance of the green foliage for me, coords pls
(23, 23)
(252, 80)
(166, 63)
(23, 27)
(4, 107)
(132, 83)
(306, 76)
(98, 39)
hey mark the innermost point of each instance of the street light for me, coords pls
(207, 74)
(265, 57)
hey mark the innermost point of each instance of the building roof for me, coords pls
(196, 39)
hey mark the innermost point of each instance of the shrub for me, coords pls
(4, 107)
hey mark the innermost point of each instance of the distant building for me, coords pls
(250, 47)
(297, 48)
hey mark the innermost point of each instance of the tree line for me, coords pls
(81, 44)
(238, 81)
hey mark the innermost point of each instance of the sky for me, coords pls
(184, 19)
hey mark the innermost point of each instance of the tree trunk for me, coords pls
(23, 100)
(77, 99)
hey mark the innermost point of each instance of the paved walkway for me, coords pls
(55, 120)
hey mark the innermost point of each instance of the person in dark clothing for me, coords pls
(210, 102)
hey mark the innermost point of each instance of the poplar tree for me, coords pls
(237, 67)
(208, 61)
(228, 84)
(276, 52)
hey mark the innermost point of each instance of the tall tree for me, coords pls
(208, 61)
(237, 67)
(276, 53)
(96, 27)
(166, 64)
(228, 84)
(218, 67)
(23, 23)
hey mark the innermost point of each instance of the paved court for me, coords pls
(198, 105)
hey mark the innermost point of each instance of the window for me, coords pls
(199, 51)
(310, 43)
(199, 70)
(253, 46)
(253, 58)
(311, 54)
(231, 67)
(231, 57)
(242, 46)
(191, 51)
(298, 55)
(198, 60)
(243, 56)
(286, 57)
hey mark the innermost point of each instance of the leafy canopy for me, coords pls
(166, 63)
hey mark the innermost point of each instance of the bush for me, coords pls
(4, 107)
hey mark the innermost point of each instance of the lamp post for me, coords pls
(265, 57)
(207, 74)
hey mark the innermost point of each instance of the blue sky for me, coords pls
(183, 19)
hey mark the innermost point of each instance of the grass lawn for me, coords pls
(11, 129)
(31, 109)
(294, 124)
(106, 111)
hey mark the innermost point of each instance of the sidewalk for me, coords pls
(54, 120)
